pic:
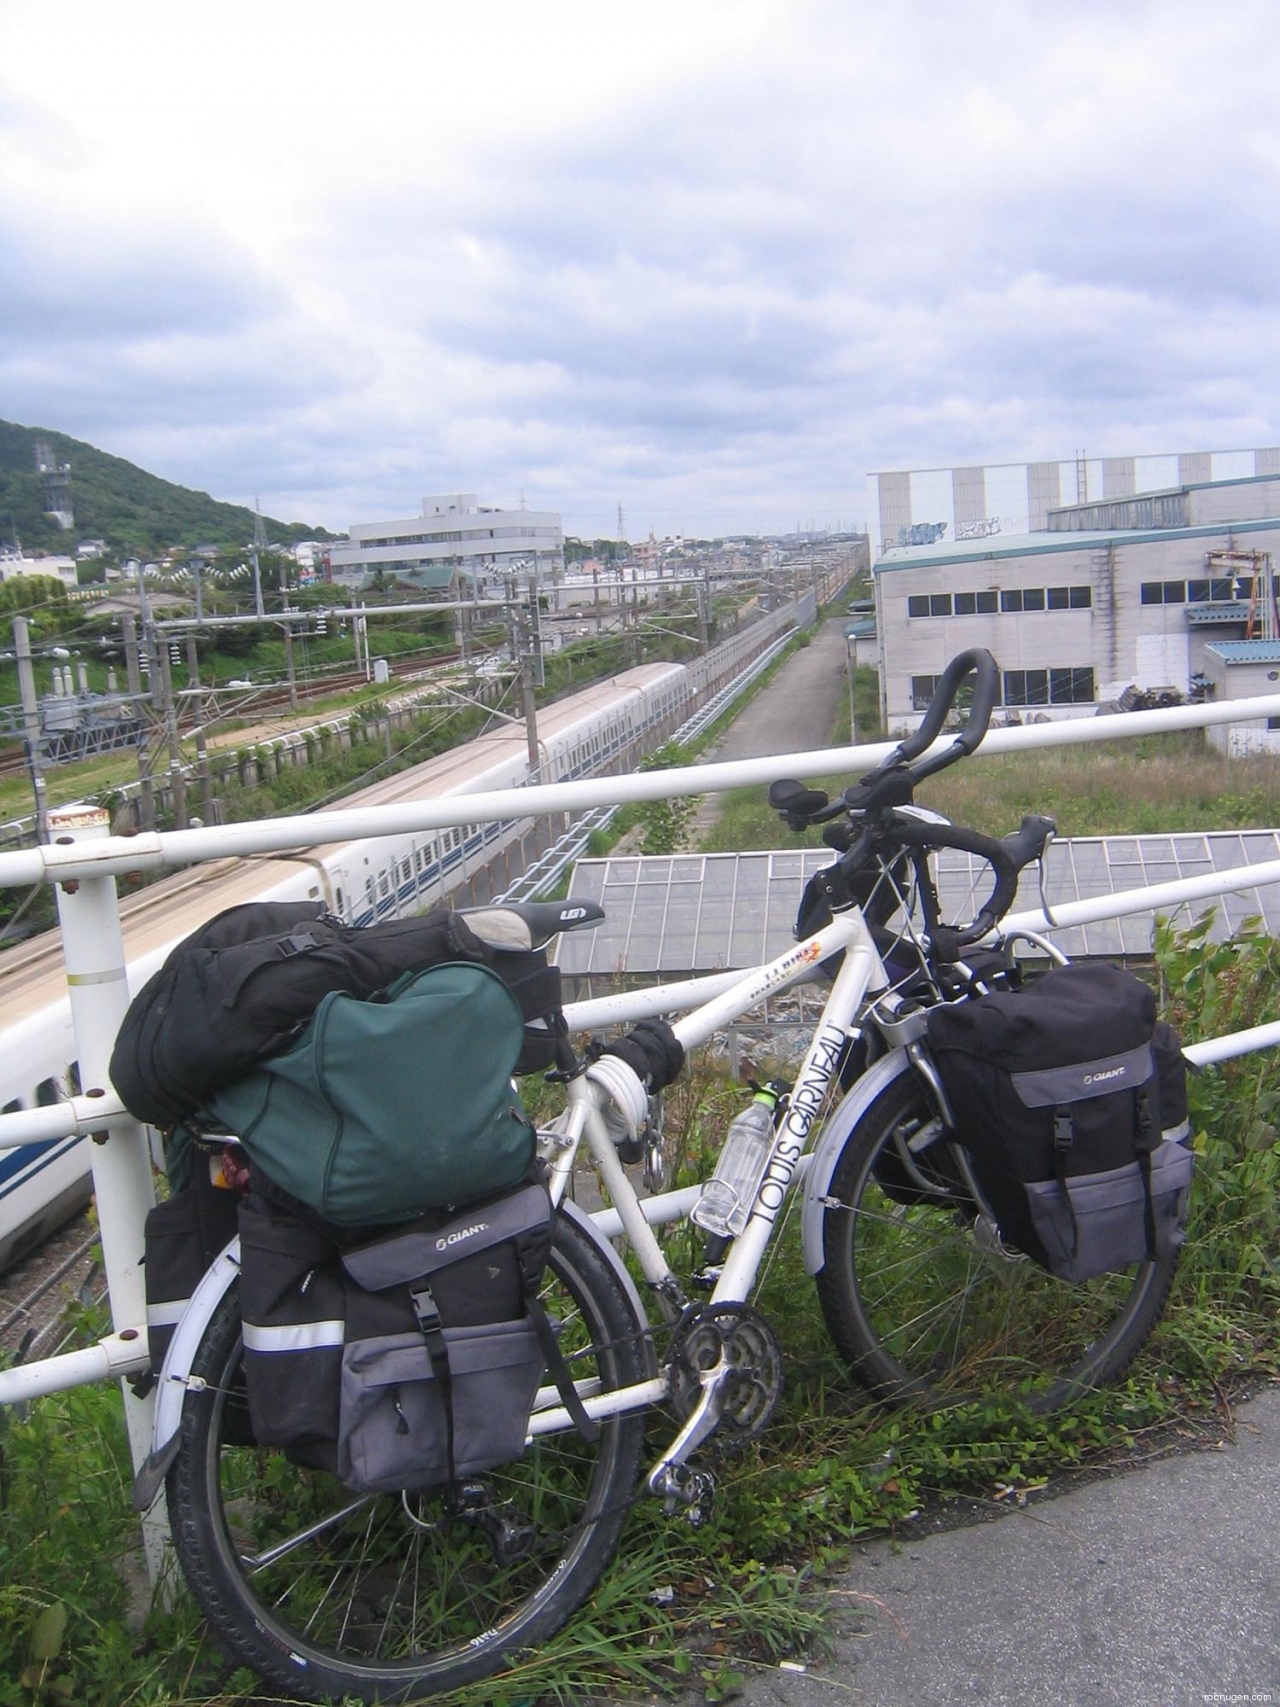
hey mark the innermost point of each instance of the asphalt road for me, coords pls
(1157, 1587)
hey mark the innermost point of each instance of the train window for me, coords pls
(417, 859)
(48, 1092)
(383, 885)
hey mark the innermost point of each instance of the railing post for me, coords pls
(93, 949)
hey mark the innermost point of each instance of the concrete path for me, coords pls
(1155, 1588)
(797, 712)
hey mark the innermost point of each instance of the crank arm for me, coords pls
(702, 1423)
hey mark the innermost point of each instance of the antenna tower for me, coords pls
(622, 524)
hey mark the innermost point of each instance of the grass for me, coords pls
(1162, 784)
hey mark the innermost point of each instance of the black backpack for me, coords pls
(238, 990)
(1069, 1097)
(402, 1361)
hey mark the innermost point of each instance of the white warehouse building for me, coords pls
(454, 537)
(1079, 613)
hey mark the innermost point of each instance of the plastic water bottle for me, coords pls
(727, 1196)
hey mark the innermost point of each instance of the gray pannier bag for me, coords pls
(1070, 1098)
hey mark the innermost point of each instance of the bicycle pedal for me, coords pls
(692, 1493)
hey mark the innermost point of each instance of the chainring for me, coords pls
(743, 1336)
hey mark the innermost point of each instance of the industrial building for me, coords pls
(1078, 615)
(454, 546)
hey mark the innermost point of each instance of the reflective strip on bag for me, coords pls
(301, 1336)
(166, 1314)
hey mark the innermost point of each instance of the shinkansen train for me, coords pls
(586, 733)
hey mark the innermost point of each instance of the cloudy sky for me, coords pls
(711, 260)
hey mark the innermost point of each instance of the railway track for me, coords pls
(269, 701)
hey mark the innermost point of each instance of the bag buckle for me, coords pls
(1063, 1130)
(425, 1307)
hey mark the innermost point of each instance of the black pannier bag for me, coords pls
(183, 1235)
(1069, 1097)
(239, 989)
(404, 1361)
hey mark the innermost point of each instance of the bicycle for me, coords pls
(392, 1598)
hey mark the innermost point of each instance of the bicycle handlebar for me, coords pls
(1006, 857)
(979, 663)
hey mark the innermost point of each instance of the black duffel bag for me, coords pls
(1070, 1098)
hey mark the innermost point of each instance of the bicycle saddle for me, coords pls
(530, 924)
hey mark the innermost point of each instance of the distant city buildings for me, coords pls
(14, 564)
(456, 546)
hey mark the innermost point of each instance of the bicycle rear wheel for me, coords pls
(392, 1598)
(926, 1306)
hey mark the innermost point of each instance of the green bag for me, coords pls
(386, 1108)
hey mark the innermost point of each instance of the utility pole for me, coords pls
(208, 811)
(288, 665)
(31, 724)
(259, 538)
(133, 677)
(177, 778)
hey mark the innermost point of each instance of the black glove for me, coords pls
(652, 1051)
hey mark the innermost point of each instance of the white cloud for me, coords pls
(711, 260)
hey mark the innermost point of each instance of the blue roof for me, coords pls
(1246, 651)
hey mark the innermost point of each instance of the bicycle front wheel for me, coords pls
(392, 1598)
(927, 1306)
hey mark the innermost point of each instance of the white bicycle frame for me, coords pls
(861, 974)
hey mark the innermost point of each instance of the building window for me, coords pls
(1026, 687)
(1071, 687)
(1013, 599)
(976, 604)
(923, 689)
(1048, 687)
(1186, 592)
(929, 604)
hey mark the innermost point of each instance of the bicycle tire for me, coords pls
(396, 1601)
(927, 1310)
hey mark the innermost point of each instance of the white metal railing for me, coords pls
(83, 859)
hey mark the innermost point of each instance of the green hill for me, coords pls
(138, 514)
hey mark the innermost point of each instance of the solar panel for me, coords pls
(675, 915)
